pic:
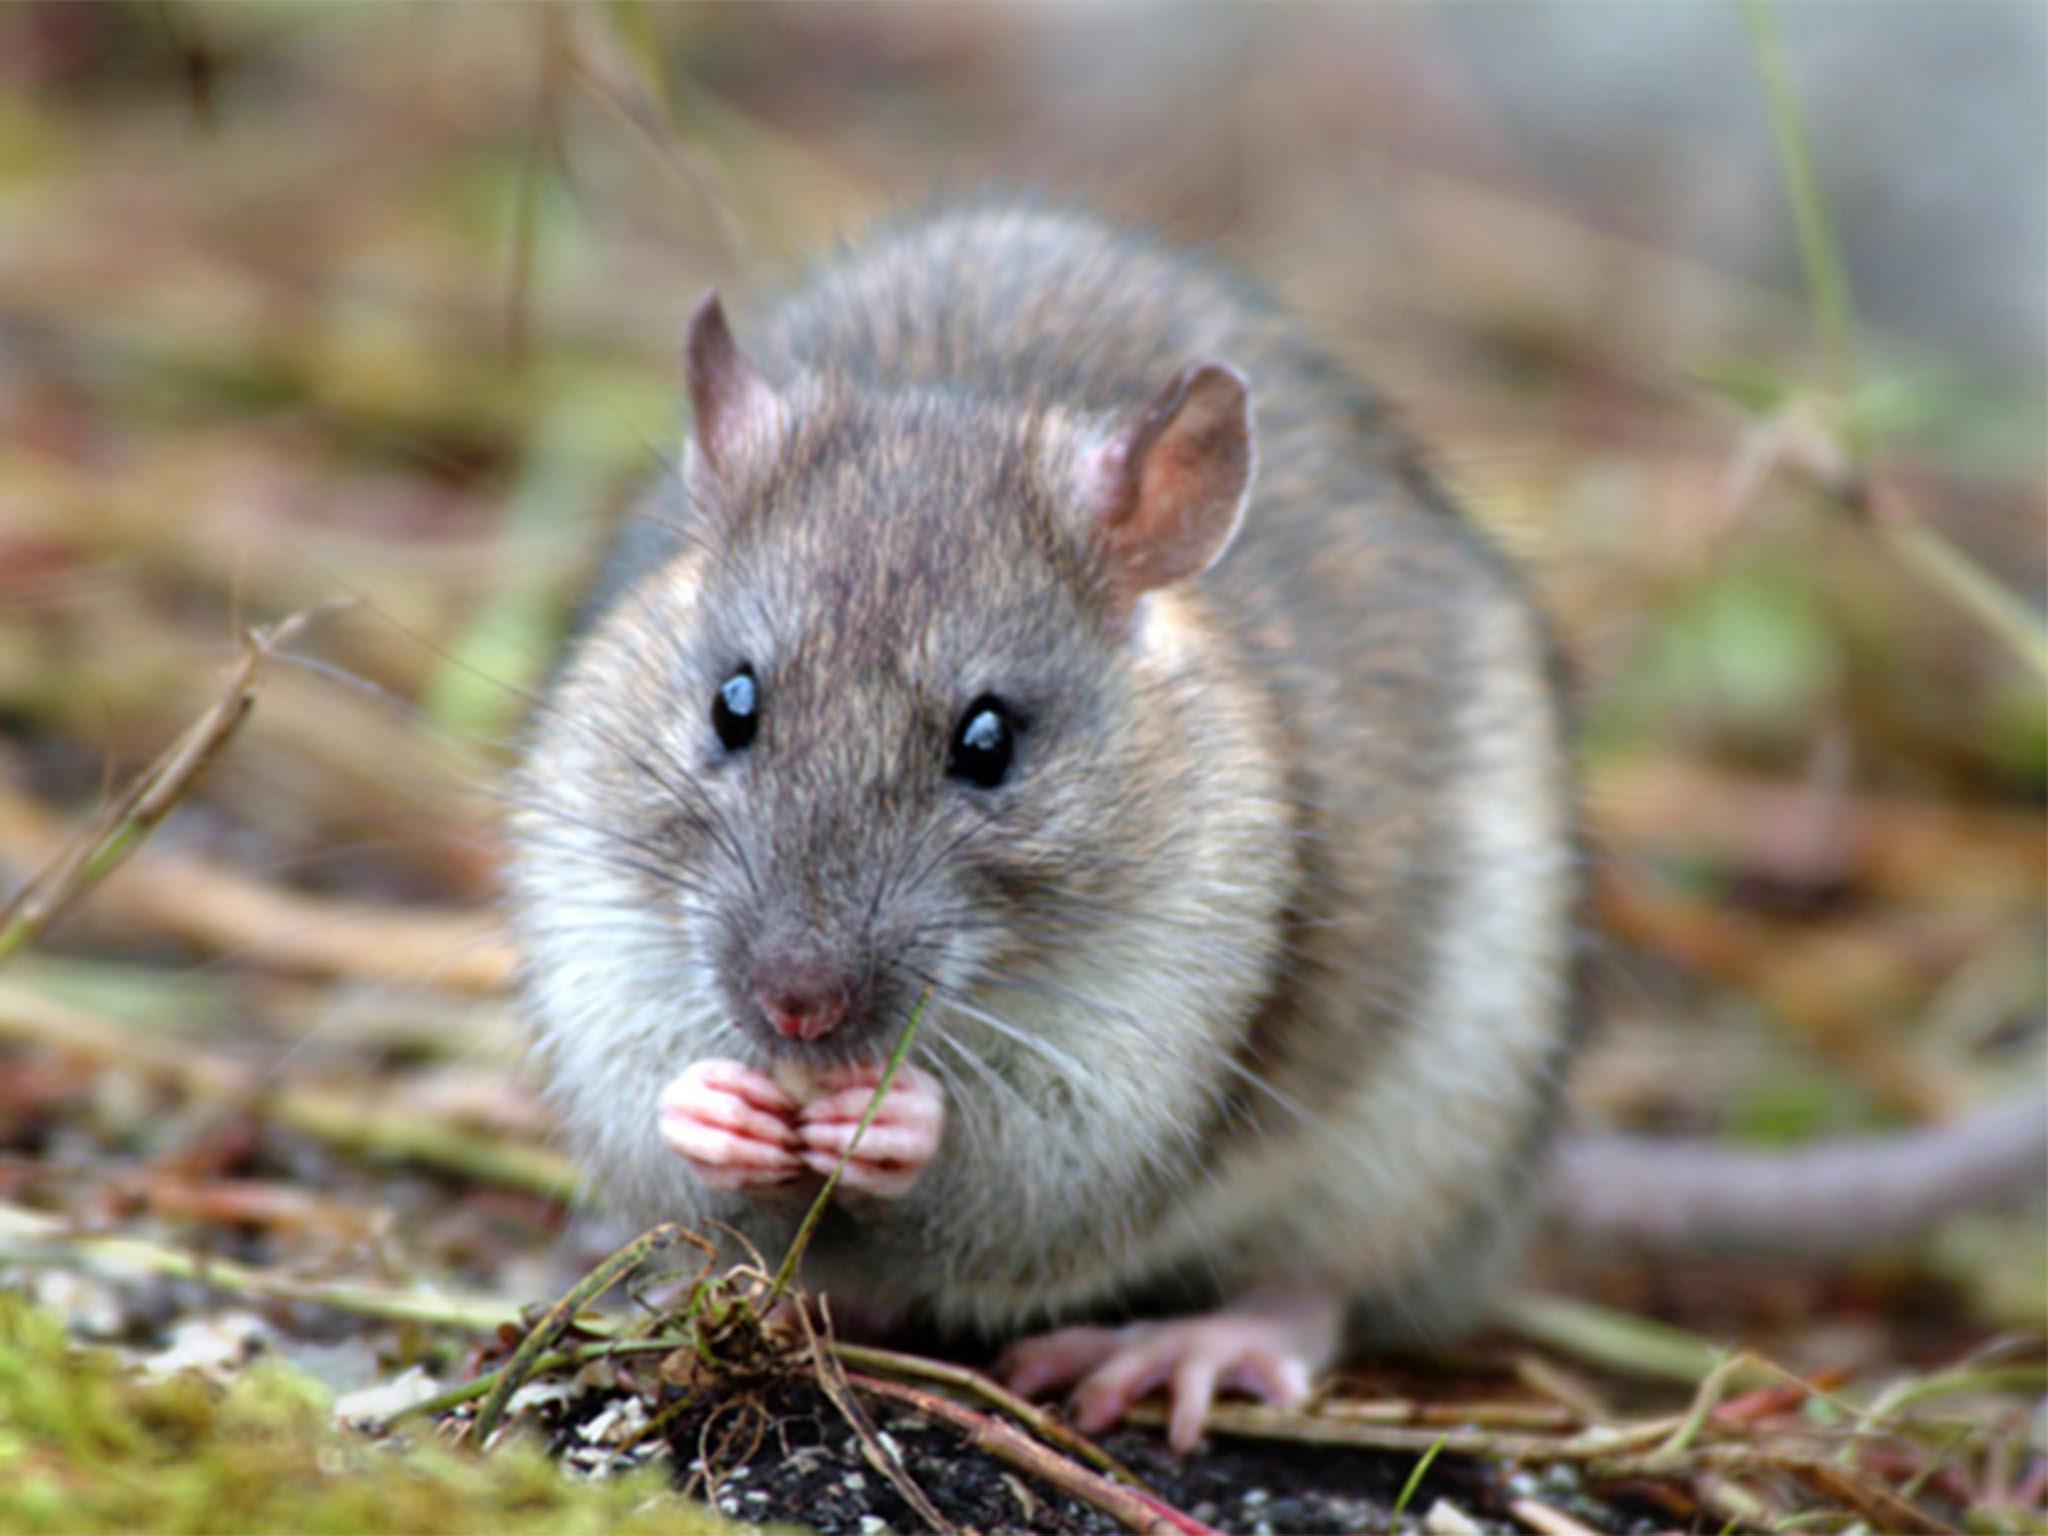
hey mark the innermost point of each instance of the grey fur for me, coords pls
(1258, 967)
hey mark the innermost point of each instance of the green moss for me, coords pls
(85, 1446)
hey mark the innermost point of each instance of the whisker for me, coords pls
(1073, 1071)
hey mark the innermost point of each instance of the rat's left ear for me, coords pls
(1166, 491)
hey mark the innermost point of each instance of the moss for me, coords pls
(86, 1446)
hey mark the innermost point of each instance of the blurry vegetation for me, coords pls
(85, 1446)
(380, 304)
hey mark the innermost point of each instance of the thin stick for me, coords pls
(149, 798)
(1942, 565)
(834, 1382)
(226, 911)
(868, 1358)
(1704, 1402)
(341, 1119)
(1134, 1510)
(1254, 1421)
(31, 1237)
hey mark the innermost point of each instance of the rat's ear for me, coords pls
(730, 403)
(1165, 491)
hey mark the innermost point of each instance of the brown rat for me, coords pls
(1038, 617)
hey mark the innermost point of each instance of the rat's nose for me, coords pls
(800, 1002)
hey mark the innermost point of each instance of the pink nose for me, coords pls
(798, 1012)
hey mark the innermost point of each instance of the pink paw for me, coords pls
(732, 1125)
(1270, 1351)
(900, 1140)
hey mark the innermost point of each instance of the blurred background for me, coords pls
(383, 303)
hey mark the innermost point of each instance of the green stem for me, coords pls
(787, 1272)
(1635, 1345)
(1944, 566)
(32, 1238)
(1827, 276)
(526, 1359)
(469, 1391)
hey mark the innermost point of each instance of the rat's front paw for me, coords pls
(1270, 1345)
(899, 1142)
(732, 1125)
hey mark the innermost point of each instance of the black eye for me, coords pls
(736, 710)
(983, 744)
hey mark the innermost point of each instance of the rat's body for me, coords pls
(1250, 913)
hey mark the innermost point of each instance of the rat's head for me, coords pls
(878, 724)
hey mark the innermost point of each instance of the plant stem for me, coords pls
(526, 1359)
(787, 1272)
(1827, 276)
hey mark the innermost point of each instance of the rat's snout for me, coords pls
(801, 997)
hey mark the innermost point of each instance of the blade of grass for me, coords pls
(790, 1260)
(1820, 255)
(1415, 1477)
(1611, 1339)
(1914, 544)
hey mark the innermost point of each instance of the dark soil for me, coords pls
(791, 1457)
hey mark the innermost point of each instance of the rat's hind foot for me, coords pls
(899, 1141)
(732, 1125)
(1271, 1344)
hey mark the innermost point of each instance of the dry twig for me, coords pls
(149, 798)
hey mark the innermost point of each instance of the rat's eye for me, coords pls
(736, 710)
(983, 744)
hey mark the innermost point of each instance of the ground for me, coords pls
(369, 314)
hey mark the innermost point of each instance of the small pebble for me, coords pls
(370, 1407)
(1446, 1519)
(213, 1346)
(537, 1394)
(92, 1306)
(620, 1420)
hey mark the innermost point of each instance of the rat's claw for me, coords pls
(900, 1140)
(1269, 1348)
(731, 1124)
(1053, 1360)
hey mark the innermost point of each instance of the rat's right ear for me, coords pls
(730, 403)
(1165, 491)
